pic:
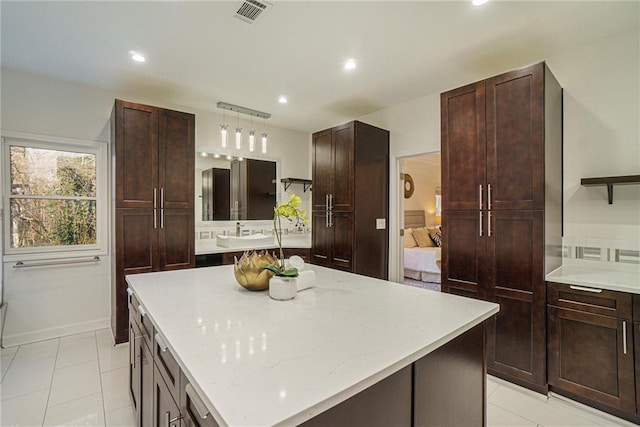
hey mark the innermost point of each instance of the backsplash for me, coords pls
(606, 253)
(228, 228)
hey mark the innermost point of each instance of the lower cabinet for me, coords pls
(194, 412)
(166, 413)
(636, 328)
(590, 347)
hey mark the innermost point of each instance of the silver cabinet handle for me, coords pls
(326, 202)
(584, 288)
(162, 198)
(168, 420)
(141, 311)
(129, 291)
(624, 336)
(161, 343)
(330, 201)
(489, 196)
(155, 197)
(480, 223)
(480, 196)
(489, 224)
(161, 218)
(155, 220)
(330, 219)
(201, 408)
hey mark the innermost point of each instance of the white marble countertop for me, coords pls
(209, 246)
(600, 278)
(257, 361)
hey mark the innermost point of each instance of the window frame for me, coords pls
(101, 151)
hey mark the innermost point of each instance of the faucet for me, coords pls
(238, 227)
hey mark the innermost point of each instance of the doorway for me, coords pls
(420, 219)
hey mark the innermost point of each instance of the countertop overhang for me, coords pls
(257, 361)
(598, 278)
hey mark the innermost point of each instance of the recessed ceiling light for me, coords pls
(350, 64)
(478, 2)
(136, 56)
(282, 99)
(203, 154)
(229, 157)
(217, 156)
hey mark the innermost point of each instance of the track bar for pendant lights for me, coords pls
(243, 110)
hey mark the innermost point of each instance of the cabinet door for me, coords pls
(136, 241)
(463, 253)
(343, 248)
(463, 148)
(135, 373)
(221, 194)
(516, 335)
(322, 172)
(136, 151)
(176, 160)
(146, 390)
(343, 167)
(587, 357)
(176, 239)
(515, 139)
(166, 412)
(190, 409)
(322, 240)
(636, 329)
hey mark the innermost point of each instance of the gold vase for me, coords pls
(250, 270)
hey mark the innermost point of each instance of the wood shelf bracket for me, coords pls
(306, 183)
(609, 181)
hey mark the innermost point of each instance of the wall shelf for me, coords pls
(306, 183)
(609, 181)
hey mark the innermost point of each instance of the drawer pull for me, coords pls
(141, 311)
(161, 343)
(584, 288)
(129, 291)
(201, 408)
(168, 420)
(624, 337)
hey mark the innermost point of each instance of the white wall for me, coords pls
(601, 137)
(49, 302)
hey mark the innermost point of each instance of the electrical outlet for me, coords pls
(381, 223)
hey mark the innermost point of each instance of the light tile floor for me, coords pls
(82, 380)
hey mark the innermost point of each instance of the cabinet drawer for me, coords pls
(133, 304)
(636, 310)
(167, 366)
(192, 407)
(139, 315)
(590, 300)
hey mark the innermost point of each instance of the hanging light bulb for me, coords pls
(223, 132)
(238, 134)
(252, 140)
(264, 137)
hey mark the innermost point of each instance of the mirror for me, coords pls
(236, 189)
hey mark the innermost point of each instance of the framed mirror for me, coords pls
(235, 189)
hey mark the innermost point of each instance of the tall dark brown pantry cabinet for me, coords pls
(351, 198)
(154, 155)
(502, 203)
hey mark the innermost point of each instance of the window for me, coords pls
(55, 198)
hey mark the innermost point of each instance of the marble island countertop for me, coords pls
(257, 361)
(600, 278)
(210, 246)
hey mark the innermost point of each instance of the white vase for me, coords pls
(283, 288)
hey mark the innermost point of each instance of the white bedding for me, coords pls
(422, 259)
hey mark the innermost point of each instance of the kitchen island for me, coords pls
(351, 349)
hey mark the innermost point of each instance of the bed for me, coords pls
(420, 263)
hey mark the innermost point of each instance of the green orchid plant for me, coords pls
(291, 212)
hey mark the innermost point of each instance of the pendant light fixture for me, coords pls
(252, 113)
(264, 137)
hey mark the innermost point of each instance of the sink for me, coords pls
(245, 242)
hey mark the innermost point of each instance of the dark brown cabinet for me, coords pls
(140, 365)
(166, 412)
(502, 209)
(154, 153)
(350, 196)
(590, 351)
(216, 194)
(636, 340)
(253, 189)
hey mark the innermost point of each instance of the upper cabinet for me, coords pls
(351, 180)
(154, 152)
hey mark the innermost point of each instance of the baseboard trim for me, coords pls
(60, 331)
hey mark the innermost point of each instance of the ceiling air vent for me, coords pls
(251, 10)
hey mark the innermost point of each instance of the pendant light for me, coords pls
(264, 138)
(223, 132)
(252, 137)
(238, 134)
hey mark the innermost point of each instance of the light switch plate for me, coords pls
(381, 223)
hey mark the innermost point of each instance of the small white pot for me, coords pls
(283, 288)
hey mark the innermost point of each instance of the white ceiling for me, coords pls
(199, 54)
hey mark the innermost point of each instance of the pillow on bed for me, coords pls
(435, 234)
(409, 241)
(421, 235)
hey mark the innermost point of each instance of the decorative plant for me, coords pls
(290, 212)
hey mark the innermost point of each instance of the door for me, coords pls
(221, 194)
(176, 160)
(343, 168)
(587, 357)
(516, 335)
(176, 244)
(342, 233)
(166, 412)
(136, 135)
(322, 236)
(322, 169)
(464, 253)
(463, 148)
(515, 139)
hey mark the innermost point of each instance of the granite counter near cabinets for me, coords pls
(598, 278)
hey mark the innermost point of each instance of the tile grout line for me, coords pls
(46, 407)
(10, 363)
(104, 412)
(513, 413)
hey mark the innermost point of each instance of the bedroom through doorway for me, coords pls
(421, 207)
